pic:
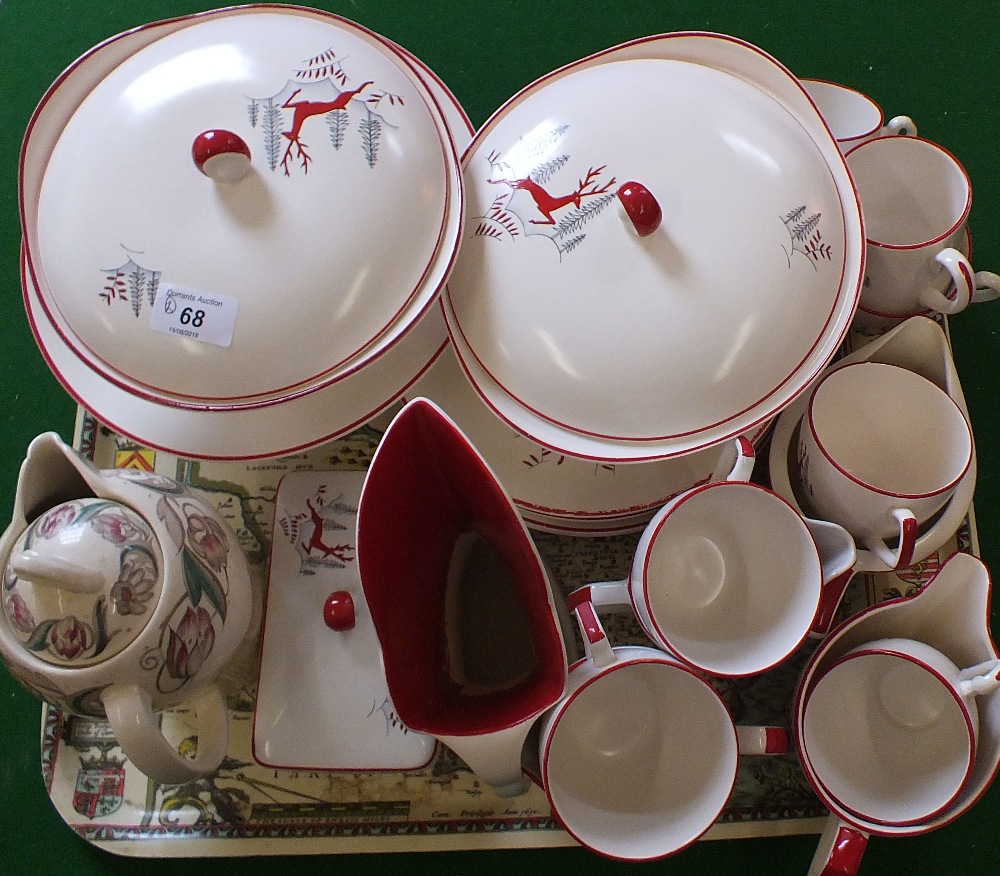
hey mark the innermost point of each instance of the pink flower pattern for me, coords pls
(136, 581)
(19, 614)
(70, 637)
(56, 519)
(190, 644)
(208, 540)
(115, 526)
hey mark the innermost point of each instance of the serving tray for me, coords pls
(246, 808)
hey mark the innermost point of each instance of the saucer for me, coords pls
(322, 698)
(920, 345)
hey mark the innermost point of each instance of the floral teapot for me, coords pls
(123, 594)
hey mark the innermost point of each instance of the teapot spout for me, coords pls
(52, 473)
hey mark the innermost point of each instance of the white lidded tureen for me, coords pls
(233, 210)
(663, 247)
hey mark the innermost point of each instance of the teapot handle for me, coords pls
(130, 713)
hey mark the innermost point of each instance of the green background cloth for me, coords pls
(933, 62)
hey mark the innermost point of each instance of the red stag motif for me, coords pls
(316, 542)
(305, 109)
(547, 204)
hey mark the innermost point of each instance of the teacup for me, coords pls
(916, 198)
(640, 757)
(951, 614)
(853, 118)
(890, 729)
(881, 450)
(729, 578)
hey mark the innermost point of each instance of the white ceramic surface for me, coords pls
(560, 318)
(554, 489)
(165, 229)
(919, 344)
(854, 117)
(554, 437)
(322, 700)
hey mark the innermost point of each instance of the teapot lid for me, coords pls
(82, 581)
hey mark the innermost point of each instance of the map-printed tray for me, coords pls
(250, 809)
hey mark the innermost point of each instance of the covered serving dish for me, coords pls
(236, 209)
(663, 248)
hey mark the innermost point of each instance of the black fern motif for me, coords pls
(136, 286)
(794, 215)
(272, 125)
(805, 236)
(337, 122)
(800, 231)
(575, 220)
(371, 131)
(544, 171)
(571, 244)
(152, 287)
(253, 111)
(542, 143)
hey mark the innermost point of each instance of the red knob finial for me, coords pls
(641, 207)
(338, 611)
(221, 155)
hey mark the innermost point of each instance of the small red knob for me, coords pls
(641, 207)
(338, 611)
(221, 155)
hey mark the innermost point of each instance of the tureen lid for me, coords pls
(82, 581)
(591, 320)
(266, 185)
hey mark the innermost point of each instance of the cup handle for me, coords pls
(902, 556)
(840, 850)
(763, 740)
(987, 287)
(983, 678)
(735, 462)
(962, 276)
(606, 594)
(900, 126)
(595, 640)
(130, 713)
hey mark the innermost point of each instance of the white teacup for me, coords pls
(731, 579)
(853, 118)
(890, 730)
(881, 450)
(641, 756)
(916, 198)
